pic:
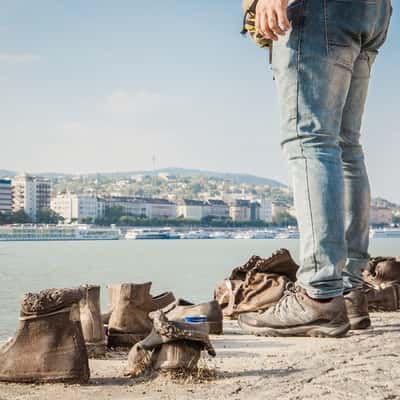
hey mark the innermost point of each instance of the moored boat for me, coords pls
(56, 232)
(143, 234)
(384, 233)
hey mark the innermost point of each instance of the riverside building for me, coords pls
(192, 209)
(31, 194)
(78, 207)
(145, 207)
(5, 196)
(198, 209)
(240, 210)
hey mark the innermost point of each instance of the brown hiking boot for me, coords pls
(129, 320)
(181, 309)
(298, 315)
(49, 344)
(385, 297)
(92, 326)
(159, 302)
(357, 309)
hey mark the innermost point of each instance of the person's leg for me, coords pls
(313, 78)
(357, 188)
(356, 183)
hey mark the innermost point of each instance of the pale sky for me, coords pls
(100, 85)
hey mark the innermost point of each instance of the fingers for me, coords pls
(272, 21)
(262, 25)
(282, 18)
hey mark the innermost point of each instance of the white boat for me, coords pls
(220, 235)
(263, 235)
(384, 233)
(196, 235)
(56, 232)
(287, 235)
(242, 235)
(148, 233)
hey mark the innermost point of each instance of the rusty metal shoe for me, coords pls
(385, 269)
(181, 309)
(129, 320)
(48, 345)
(159, 302)
(257, 285)
(280, 262)
(170, 345)
(296, 314)
(383, 297)
(92, 326)
(357, 309)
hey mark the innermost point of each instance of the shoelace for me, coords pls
(291, 291)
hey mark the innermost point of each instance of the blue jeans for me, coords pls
(322, 69)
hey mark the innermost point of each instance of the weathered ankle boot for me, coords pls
(49, 344)
(170, 345)
(383, 297)
(129, 321)
(159, 302)
(92, 326)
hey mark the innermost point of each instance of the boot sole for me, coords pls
(360, 323)
(307, 330)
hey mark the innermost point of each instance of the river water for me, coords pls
(190, 268)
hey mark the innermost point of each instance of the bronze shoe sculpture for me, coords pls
(170, 345)
(383, 297)
(159, 302)
(382, 285)
(257, 285)
(92, 326)
(383, 270)
(48, 345)
(181, 309)
(129, 321)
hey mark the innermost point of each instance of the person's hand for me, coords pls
(271, 18)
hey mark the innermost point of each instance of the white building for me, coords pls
(192, 209)
(265, 210)
(5, 196)
(143, 206)
(218, 209)
(130, 205)
(78, 207)
(31, 194)
(240, 210)
(160, 209)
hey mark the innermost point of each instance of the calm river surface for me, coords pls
(190, 268)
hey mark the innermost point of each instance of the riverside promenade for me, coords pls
(364, 365)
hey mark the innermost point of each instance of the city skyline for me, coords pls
(94, 88)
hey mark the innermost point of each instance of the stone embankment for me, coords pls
(364, 365)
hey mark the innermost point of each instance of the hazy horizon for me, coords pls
(93, 86)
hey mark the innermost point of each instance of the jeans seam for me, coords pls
(326, 29)
(299, 46)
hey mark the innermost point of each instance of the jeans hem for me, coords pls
(321, 294)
